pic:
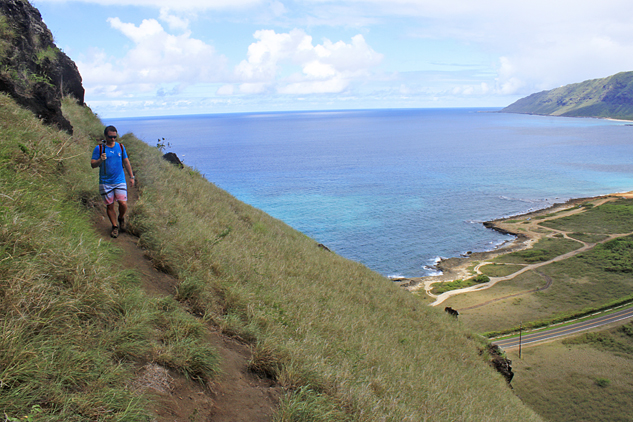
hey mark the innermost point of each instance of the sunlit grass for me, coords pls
(546, 249)
(343, 342)
(73, 325)
(577, 380)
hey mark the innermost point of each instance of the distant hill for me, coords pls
(607, 97)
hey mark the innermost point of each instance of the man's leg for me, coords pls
(111, 214)
(122, 211)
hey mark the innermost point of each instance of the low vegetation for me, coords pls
(546, 249)
(342, 341)
(610, 218)
(615, 256)
(617, 340)
(588, 378)
(592, 280)
(500, 270)
(459, 284)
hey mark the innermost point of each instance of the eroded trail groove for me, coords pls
(237, 395)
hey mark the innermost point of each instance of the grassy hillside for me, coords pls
(606, 97)
(342, 341)
(73, 327)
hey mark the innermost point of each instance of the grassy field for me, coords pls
(577, 283)
(497, 313)
(589, 378)
(610, 218)
(546, 249)
(459, 284)
(500, 270)
(592, 278)
(343, 342)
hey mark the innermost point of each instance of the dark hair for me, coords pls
(109, 129)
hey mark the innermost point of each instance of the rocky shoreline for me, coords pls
(458, 267)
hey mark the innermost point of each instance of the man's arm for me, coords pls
(96, 163)
(128, 167)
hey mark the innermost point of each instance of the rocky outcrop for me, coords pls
(502, 364)
(173, 158)
(33, 71)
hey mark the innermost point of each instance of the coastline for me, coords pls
(458, 267)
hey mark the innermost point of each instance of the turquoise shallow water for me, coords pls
(396, 189)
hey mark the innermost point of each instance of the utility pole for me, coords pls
(520, 335)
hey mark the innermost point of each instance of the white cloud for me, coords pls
(539, 44)
(227, 89)
(254, 88)
(539, 67)
(325, 68)
(488, 50)
(156, 58)
(174, 22)
(277, 8)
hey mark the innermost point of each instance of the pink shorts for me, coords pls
(111, 193)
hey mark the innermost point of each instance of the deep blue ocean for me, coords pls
(396, 189)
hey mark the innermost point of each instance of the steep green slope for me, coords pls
(343, 342)
(74, 328)
(610, 97)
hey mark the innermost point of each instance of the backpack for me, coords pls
(102, 148)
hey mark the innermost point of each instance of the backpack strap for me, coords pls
(101, 151)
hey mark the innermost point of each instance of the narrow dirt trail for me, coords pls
(236, 395)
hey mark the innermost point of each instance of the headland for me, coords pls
(526, 232)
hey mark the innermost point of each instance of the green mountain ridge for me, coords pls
(610, 97)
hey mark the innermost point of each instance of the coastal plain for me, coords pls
(565, 261)
(536, 264)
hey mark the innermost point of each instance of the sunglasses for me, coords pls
(112, 137)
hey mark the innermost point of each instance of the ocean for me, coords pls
(398, 189)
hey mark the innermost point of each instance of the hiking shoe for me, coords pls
(122, 225)
(115, 232)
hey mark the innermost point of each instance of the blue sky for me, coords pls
(166, 57)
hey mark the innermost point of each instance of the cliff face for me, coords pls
(607, 97)
(33, 70)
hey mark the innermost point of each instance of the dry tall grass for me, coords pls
(345, 342)
(73, 325)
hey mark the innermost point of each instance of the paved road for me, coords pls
(547, 335)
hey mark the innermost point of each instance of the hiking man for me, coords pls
(111, 158)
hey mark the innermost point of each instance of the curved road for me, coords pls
(544, 335)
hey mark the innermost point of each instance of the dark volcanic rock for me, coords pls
(33, 71)
(173, 158)
(501, 364)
